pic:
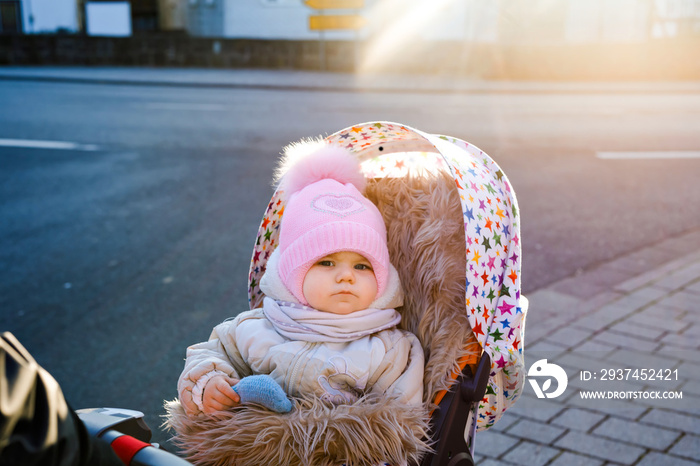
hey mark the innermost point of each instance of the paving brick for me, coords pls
(691, 317)
(693, 287)
(683, 340)
(593, 303)
(626, 327)
(598, 447)
(694, 267)
(545, 347)
(645, 360)
(536, 431)
(506, 421)
(597, 321)
(680, 278)
(626, 342)
(661, 311)
(672, 420)
(575, 362)
(691, 387)
(664, 287)
(681, 300)
(618, 408)
(602, 318)
(535, 408)
(693, 329)
(687, 447)
(645, 296)
(661, 459)
(572, 459)
(688, 370)
(592, 346)
(539, 330)
(683, 406)
(531, 454)
(547, 300)
(650, 275)
(608, 275)
(493, 444)
(638, 434)
(668, 348)
(689, 404)
(647, 320)
(493, 462)
(636, 282)
(623, 306)
(578, 287)
(578, 419)
(569, 337)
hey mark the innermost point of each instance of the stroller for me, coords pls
(454, 236)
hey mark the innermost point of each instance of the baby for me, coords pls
(327, 327)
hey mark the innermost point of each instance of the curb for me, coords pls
(332, 82)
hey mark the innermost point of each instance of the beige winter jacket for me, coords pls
(390, 362)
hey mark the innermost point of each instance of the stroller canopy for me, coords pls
(494, 306)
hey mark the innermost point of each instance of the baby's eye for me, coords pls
(363, 267)
(326, 263)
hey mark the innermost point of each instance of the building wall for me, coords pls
(608, 21)
(440, 20)
(276, 19)
(675, 18)
(472, 21)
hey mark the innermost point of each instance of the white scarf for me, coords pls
(304, 323)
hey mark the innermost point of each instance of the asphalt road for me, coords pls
(117, 253)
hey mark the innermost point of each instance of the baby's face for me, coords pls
(340, 283)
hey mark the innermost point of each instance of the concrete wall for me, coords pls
(657, 60)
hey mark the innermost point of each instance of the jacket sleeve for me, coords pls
(400, 371)
(218, 355)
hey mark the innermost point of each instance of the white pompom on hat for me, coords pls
(326, 213)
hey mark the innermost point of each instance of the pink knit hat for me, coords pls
(325, 213)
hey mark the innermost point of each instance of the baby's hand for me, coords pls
(218, 394)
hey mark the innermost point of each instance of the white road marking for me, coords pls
(678, 154)
(36, 144)
(185, 106)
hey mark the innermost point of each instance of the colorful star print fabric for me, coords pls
(493, 303)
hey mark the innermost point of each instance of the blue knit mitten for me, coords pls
(263, 390)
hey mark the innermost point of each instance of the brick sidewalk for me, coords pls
(639, 311)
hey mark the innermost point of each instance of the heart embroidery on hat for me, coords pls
(340, 205)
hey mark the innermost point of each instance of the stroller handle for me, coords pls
(37, 426)
(128, 435)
